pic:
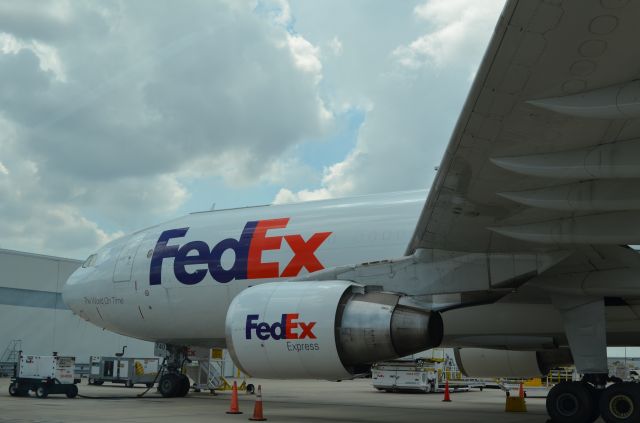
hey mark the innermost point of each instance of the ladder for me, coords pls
(10, 357)
(11, 353)
(215, 375)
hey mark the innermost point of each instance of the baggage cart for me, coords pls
(126, 370)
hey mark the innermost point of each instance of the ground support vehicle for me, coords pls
(127, 370)
(44, 375)
(420, 375)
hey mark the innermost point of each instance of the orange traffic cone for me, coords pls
(257, 410)
(516, 404)
(235, 408)
(447, 397)
(521, 391)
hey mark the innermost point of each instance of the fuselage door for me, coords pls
(124, 264)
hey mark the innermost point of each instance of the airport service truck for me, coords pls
(44, 375)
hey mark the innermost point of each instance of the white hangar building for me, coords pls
(32, 312)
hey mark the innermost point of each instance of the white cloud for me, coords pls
(110, 111)
(46, 54)
(305, 55)
(35, 218)
(111, 105)
(286, 196)
(460, 27)
(335, 183)
(411, 104)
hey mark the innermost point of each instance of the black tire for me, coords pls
(620, 403)
(570, 402)
(169, 385)
(90, 381)
(13, 389)
(42, 391)
(251, 389)
(98, 382)
(184, 386)
(595, 400)
(72, 391)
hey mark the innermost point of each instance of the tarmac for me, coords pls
(284, 401)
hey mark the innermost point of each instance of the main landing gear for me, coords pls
(585, 401)
(584, 322)
(173, 383)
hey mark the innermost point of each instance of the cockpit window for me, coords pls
(90, 261)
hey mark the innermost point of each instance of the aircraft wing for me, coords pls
(546, 149)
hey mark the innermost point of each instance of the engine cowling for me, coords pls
(488, 363)
(323, 330)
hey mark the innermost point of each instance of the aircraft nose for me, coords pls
(72, 290)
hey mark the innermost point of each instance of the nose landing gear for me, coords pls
(173, 383)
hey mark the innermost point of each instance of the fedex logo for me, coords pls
(287, 328)
(248, 251)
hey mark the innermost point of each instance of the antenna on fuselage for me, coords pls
(213, 207)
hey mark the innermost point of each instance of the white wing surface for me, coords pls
(546, 151)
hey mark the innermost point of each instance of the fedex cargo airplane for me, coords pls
(517, 257)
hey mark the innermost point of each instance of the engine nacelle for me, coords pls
(487, 363)
(323, 330)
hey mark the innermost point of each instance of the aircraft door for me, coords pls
(124, 264)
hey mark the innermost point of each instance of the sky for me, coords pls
(117, 115)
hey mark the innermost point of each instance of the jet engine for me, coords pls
(324, 330)
(487, 363)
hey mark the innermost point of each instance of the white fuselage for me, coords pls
(174, 282)
(119, 293)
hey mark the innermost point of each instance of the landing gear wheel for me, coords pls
(595, 400)
(620, 402)
(251, 389)
(169, 385)
(98, 382)
(72, 391)
(42, 391)
(570, 402)
(183, 388)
